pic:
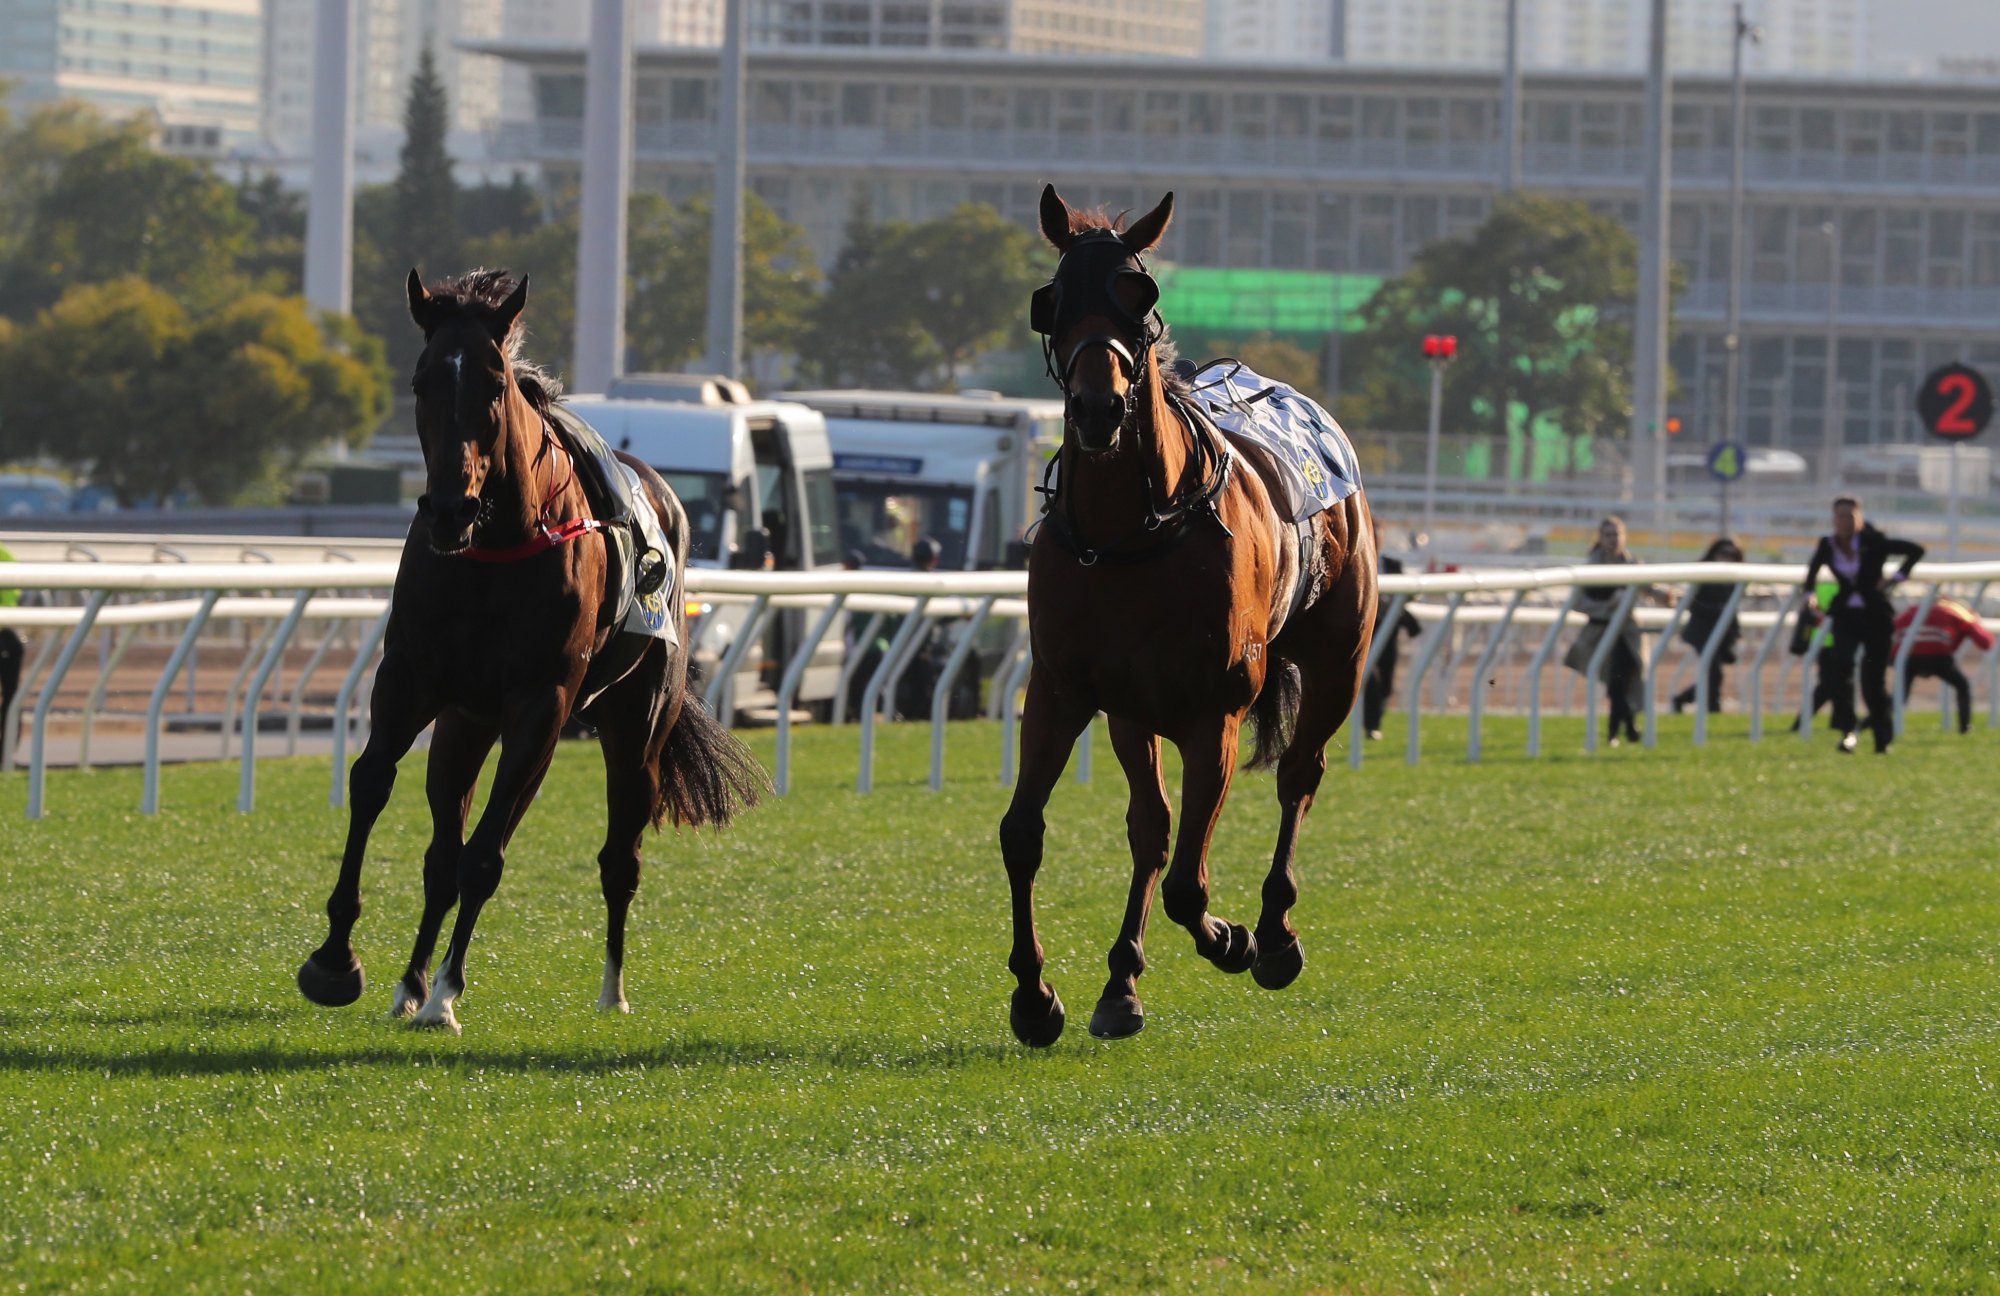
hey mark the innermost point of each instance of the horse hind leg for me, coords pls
(459, 748)
(526, 748)
(1148, 828)
(632, 737)
(1326, 697)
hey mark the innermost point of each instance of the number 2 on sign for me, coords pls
(1953, 421)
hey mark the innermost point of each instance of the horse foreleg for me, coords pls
(458, 748)
(527, 743)
(1209, 760)
(331, 974)
(1148, 828)
(1049, 726)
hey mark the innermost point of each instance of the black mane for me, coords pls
(478, 293)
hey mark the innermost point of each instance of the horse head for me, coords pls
(462, 383)
(1096, 316)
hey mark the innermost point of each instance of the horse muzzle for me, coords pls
(1094, 420)
(450, 527)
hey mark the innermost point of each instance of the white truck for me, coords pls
(754, 476)
(959, 469)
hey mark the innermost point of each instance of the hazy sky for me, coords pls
(1924, 29)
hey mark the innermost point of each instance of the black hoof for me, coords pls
(1037, 1024)
(1240, 954)
(1117, 1018)
(1280, 967)
(329, 986)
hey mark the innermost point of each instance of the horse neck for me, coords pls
(1115, 493)
(524, 474)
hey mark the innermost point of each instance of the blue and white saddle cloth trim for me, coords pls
(1319, 462)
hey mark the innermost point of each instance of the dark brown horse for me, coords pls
(1167, 590)
(499, 611)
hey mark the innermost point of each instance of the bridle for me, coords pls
(1126, 290)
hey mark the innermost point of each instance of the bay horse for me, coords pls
(1167, 589)
(500, 607)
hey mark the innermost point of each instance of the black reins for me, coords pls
(1125, 278)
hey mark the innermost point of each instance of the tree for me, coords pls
(120, 382)
(426, 192)
(1539, 299)
(275, 258)
(666, 294)
(908, 305)
(666, 324)
(116, 207)
(32, 154)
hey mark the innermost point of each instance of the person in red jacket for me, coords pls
(1949, 624)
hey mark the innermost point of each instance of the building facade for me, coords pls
(1820, 37)
(1350, 171)
(194, 66)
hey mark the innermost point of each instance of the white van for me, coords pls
(738, 466)
(959, 469)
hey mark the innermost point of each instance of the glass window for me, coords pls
(902, 107)
(688, 99)
(559, 97)
(857, 105)
(947, 108)
(1378, 118)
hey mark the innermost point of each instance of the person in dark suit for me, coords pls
(1855, 555)
(1381, 681)
(1704, 616)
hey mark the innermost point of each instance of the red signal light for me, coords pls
(1440, 346)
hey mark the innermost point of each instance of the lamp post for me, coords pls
(1830, 437)
(1439, 350)
(1732, 333)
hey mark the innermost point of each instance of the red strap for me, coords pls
(545, 537)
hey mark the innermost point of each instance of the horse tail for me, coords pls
(706, 775)
(1275, 713)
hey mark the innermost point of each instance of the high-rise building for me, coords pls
(1291, 31)
(193, 65)
(390, 36)
(1818, 37)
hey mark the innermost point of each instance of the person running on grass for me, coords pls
(1855, 553)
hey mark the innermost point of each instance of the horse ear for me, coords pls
(423, 307)
(1055, 218)
(510, 310)
(1144, 234)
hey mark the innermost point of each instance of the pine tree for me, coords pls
(426, 193)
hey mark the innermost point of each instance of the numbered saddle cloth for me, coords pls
(1319, 468)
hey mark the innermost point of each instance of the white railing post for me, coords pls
(1477, 702)
(1899, 678)
(38, 744)
(1613, 630)
(941, 694)
(1706, 659)
(788, 688)
(1434, 639)
(246, 792)
(121, 641)
(150, 801)
(1822, 635)
(913, 621)
(1793, 605)
(1652, 664)
(739, 648)
(236, 684)
(1010, 713)
(1379, 645)
(1533, 683)
(294, 712)
(343, 703)
(848, 667)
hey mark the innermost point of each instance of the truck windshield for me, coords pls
(885, 519)
(701, 495)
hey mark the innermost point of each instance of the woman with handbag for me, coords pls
(1623, 678)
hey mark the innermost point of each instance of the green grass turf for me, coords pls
(1686, 1020)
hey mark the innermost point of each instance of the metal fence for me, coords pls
(1477, 619)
